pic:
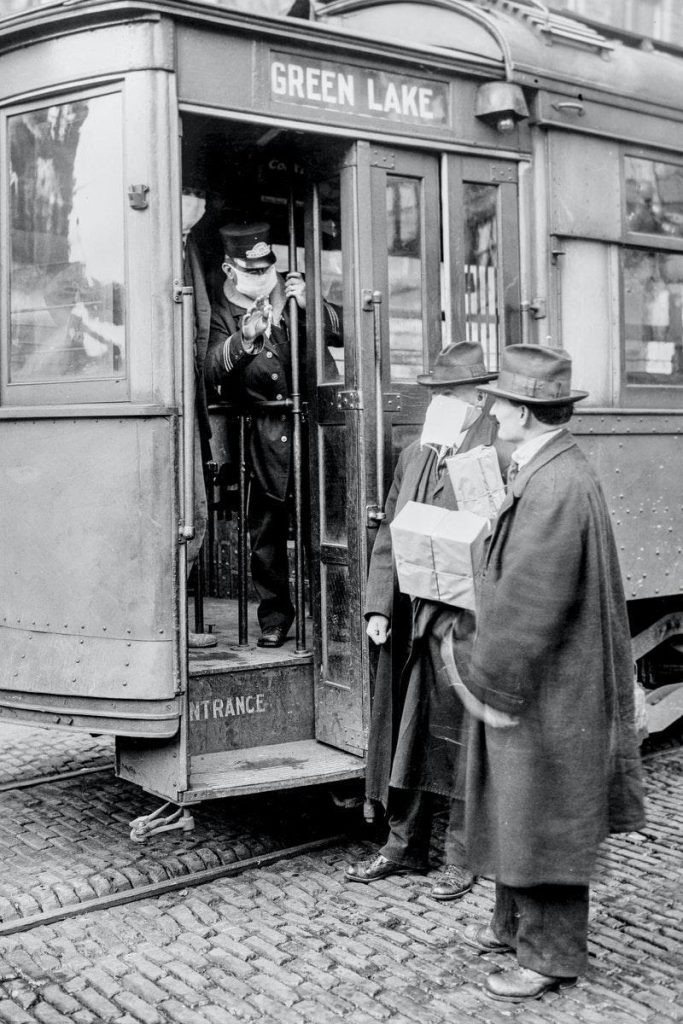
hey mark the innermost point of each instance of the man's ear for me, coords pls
(524, 415)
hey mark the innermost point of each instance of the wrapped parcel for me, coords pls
(437, 552)
(476, 479)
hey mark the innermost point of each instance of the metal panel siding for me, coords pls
(639, 459)
(97, 53)
(87, 575)
(605, 119)
(585, 183)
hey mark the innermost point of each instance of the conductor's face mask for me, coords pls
(251, 285)
(448, 416)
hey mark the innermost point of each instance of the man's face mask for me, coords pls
(254, 286)
(447, 417)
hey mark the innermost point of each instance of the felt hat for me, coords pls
(459, 363)
(248, 245)
(533, 375)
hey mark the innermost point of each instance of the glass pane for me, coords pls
(653, 300)
(66, 242)
(332, 362)
(404, 243)
(333, 491)
(481, 269)
(336, 631)
(654, 197)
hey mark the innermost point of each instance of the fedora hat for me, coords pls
(248, 245)
(533, 375)
(459, 363)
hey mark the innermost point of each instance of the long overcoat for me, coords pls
(403, 748)
(552, 647)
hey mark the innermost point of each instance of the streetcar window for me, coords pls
(404, 241)
(653, 304)
(481, 268)
(332, 361)
(67, 242)
(654, 197)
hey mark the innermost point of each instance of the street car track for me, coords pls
(39, 780)
(142, 892)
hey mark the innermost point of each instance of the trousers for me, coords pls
(410, 829)
(268, 533)
(547, 925)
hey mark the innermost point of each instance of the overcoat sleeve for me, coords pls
(531, 580)
(380, 589)
(225, 351)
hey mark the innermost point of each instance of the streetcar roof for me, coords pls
(520, 40)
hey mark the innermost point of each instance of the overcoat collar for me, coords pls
(560, 443)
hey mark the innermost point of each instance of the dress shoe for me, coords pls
(375, 868)
(521, 983)
(481, 938)
(453, 883)
(198, 640)
(272, 636)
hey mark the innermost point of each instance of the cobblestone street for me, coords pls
(290, 941)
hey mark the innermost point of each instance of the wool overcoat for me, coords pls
(552, 647)
(404, 750)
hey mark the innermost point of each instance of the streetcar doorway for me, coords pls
(292, 182)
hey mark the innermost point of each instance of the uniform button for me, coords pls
(273, 376)
(269, 355)
(278, 398)
(283, 438)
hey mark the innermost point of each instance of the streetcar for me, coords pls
(438, 169)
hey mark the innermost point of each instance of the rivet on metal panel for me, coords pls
(127, 664)
(124, 683)
(73, 679)
(129, 644)
(104, 628)
(161, 631)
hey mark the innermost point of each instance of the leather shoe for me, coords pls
(521, 983)
(273, 636)
(375, 868)
(482, 938)
(453, 883)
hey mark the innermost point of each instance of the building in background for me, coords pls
(660, 20)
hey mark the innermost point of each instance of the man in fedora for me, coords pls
(553, 764)
(409, 757)
(249, 362)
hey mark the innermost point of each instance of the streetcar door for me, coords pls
(89, 450)
(421, 251)
(370, 228)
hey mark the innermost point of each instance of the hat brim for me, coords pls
(573, 396)
(430, 381)
(261, 263)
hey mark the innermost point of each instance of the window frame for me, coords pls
(86, 391)
(655, 395)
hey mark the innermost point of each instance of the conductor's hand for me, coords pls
(295, 287)
(378, 629)
(255, 322)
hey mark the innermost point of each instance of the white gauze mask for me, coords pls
(447, 417)
(255, 286)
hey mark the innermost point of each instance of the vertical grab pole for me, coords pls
(242, 606)
(187, 298)
(377, 332)
(293, 311)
